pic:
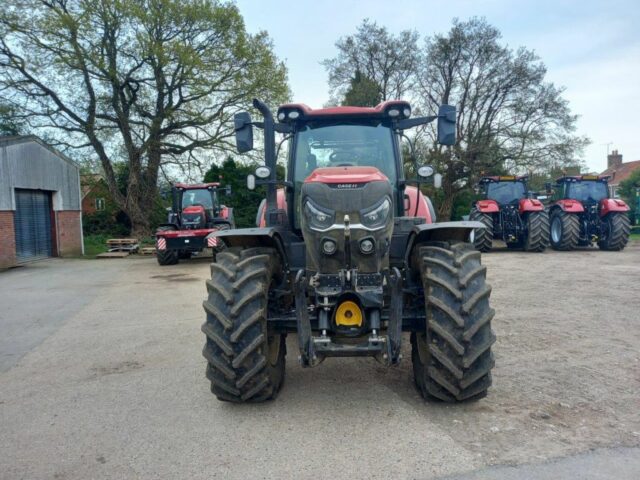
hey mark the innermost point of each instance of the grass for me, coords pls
(95, 244)
(635, 237)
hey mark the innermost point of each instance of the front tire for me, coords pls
(618, 228)
(452, 359)
(245, 363)
(537, 239)
(482, 237)
(565, 230)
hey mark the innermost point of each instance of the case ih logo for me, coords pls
(343, 186)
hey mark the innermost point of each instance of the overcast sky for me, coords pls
(590, 47)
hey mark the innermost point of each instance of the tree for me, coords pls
(388, 60)
(363, 92)
(151, 83)
(509, 117)
(244, 202)
(629, 190)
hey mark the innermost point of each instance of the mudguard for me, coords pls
(530, 205)
(444, 231)
(487, 206)
(253, 237)
(570, 206)
(608, 205)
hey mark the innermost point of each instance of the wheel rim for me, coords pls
(556, 230)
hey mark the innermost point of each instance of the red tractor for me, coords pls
(509, 213)
(195, 213)
(347, 258)
(582, 214)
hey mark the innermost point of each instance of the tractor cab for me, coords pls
(504, 190)
(590, 189)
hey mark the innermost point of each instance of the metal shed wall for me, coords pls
(26, 163)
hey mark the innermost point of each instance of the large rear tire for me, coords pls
(618, 228)
(482, 237)
(452, 359)
(537, 232)
(167, 257)
(565, 230)
(245, 363)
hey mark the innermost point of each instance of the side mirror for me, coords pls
(251, 182)
(447, 125)
(227, 190)
(437, 180)
(244, 132)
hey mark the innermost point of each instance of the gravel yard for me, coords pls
(102, 377)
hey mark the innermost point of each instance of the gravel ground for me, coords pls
(113, 384)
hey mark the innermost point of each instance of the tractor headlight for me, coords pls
(377, 216)
(319, 219)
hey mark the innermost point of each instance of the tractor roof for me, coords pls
(396, 109)
(504, 178)
(196, 186)
(582, 178)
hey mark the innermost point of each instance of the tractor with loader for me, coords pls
(195, 213)
(509, 213)
(346, 256)
(583, 213)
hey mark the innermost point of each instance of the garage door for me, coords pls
(33, 225)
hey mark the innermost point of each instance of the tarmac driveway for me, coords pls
(102, 377)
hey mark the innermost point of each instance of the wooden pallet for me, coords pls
(147, 251)
(122, 244)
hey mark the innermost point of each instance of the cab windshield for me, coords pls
(587, 191)
(506, 192)
(200, 196)
(323, 145)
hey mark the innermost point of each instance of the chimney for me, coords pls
(614, 159)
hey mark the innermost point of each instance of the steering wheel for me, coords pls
(337, 156)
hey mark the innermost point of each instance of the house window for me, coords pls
(99, 204)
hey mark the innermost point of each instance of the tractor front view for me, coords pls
(582, 213)
(348, 258)
(509, 213)
(195, 213)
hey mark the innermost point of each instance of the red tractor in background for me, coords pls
(509, 213)
(196, 212)
(582, 213)
(347, 257)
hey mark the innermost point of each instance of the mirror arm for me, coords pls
(283, 128)
(414, 122)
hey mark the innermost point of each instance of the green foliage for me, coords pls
(244, 202)
(95, 244)
(629, 191)
(363, 92)
(104, 222)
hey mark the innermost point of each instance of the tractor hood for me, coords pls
(346, 206)
(345, 177)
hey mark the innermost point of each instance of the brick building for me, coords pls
(618, 170)
(40, 213)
